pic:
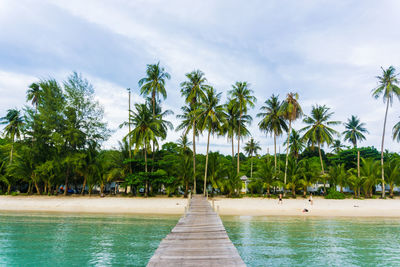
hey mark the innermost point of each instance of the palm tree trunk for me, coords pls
(205, 172)
(287, 151)
(251, 166)
(194, 157)
(153, 101)
(358, 163)
(238, 152)
(233, 151)
(275, 150)
(145, 169)
(391, 190)
(383, 140)
(66, 182)
(129, 138)
(320, 158)
(8, 189)
(12, 150)
(83, 186)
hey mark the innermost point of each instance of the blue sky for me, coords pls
(327, 51)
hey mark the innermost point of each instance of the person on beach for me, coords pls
(280, 199)
(311, 200)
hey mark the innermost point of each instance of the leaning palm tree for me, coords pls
(296, 144)
(193, 90)
(34, 94)
(242, 95)
(396, 132)
(154, 83)
(13, 128)
(145, 129)
(291, 111)
(211, 118)
(251, 149)
(387, 88)
(317, 131)
(271, 120)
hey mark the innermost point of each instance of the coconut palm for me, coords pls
(211, 118)
(271, 120)
(251, 149)
(392, 174)
(154, 83)
(34, 94)
(13, 128)
(193, 90)
(396, 132)
(296, 144)
(188, 123)
(308, 173)
(370, 171)
(146, 128)
(337, 146)
(318, 132)
(337, 175)
(231, 126)
(355, 130)
(290, 110)
(387, 88)
(266, 172)
(242, 95)
(184, 163)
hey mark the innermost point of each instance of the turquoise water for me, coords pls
(121, 240)
(307, 241)
(80, 240)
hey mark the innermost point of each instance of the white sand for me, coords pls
(176, 206)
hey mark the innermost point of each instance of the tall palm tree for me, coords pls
(355, 130)
(146, 128)
(193, 90)
(291, 111)
(13, 128)
(296, 144)
(231, 126)
(251, 149)
(337, 146)
(271, 120)
(318, 132)
(242, 95)
(396, 132)
(154, 83)
(34, 94)
(387, 88)
(212, 118)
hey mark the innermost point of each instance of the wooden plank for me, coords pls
(198, 239)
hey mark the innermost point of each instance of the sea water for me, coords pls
(80, 240)
(46, 239)
(315, 241)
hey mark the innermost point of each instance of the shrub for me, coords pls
(14, 193)
(335, 195)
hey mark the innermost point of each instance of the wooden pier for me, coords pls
(198, 239)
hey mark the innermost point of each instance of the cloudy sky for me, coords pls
(327, 51)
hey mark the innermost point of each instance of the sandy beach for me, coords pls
(225, 206)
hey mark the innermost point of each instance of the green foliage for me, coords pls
(333, 194)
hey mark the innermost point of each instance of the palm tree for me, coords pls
(145, 129)
(185, 152)
(272, 121)
(387, 87)
(392, 174)
(231, 126)
(241, 94)
(337, 146)
(212, 118)
(34, 94)
(318, 131)
(188, 123)
(251, 149)
(291, 111)
(370, 172)
(154, 83)
(354, 130)
(296, 144)
(308, 173)
(193, 91)
(266, 173)
(12, 130)
(396, 132)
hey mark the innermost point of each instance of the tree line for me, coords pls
(56, 142)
